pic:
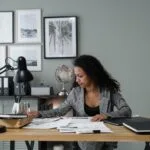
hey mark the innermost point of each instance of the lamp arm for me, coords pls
(3, 67)
(3, 71)
(9, 67)
(6, 68)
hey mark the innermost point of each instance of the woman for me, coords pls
(94, 94)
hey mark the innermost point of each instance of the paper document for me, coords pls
(84, 126)
(47, 123)
(70, 124)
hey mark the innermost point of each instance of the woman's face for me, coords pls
(81, 77)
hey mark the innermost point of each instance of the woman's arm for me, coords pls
(122, 108)
(60, 111)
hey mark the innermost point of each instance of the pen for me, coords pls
(88, 131)
(96, 131)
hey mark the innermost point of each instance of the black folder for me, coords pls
(117, 121)
(138, 124)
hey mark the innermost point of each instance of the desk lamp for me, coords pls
(22, 80)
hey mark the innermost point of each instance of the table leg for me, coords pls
(147, 146)
(30, 146)
(42, 145)
(12, 145)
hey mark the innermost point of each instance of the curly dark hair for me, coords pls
(95, 70)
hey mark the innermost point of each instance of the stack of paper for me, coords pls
(70, 124)
(83, 125)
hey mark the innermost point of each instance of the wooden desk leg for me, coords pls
(147, 146)
(12, 145)
(30, 146)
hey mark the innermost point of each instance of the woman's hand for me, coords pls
(33, 114)
(99, 117)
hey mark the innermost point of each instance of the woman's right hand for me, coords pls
(33, 114)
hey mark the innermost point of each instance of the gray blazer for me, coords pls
(75, 101)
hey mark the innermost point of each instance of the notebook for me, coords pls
(138, 124)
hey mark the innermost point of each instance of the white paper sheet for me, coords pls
(69, 124)
(47, 123)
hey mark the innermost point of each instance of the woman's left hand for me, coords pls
(99, 117)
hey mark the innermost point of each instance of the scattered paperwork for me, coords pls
(69, 124)
(47, 123)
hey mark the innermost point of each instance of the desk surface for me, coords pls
(120, 133)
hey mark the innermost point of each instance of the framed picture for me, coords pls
(32, 53)
(60, 37)
(28, 26)
(2, 59)
(6, 26)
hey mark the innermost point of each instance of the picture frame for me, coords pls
(60, 37)
(6, 27)
(2, 58)
(28, 26)
(32, 53)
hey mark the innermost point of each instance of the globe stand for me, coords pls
(63, 75)
(63, 92)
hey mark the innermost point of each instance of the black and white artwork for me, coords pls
(32, 53)
(6, 27)
(60, 39)
(2, 59)
(28, 26)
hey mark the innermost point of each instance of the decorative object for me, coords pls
(60, 37)
(32, 53)
(2, 58)
(64, 74)
(40, 90)
(6, 26)
(28, 26)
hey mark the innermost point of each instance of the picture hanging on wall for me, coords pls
(60, 37)
(28, 26)
(32, 53)
(6, 27)
(2, 59)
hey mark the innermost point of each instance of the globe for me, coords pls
(63, 75)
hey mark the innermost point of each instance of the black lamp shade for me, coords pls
(23, 74)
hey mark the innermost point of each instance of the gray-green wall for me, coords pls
(115, 31)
